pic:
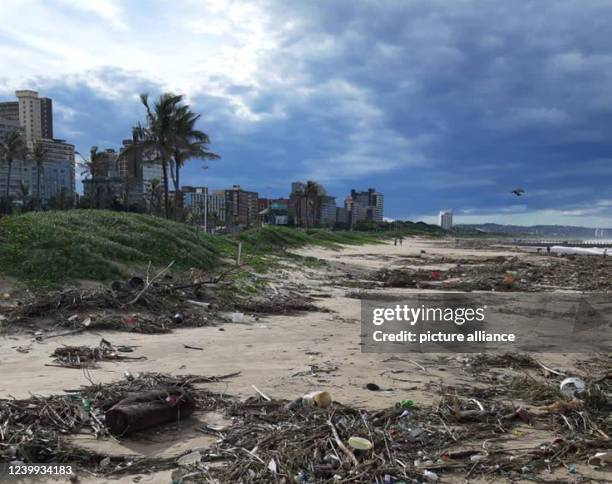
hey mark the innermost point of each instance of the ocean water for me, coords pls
(559, 249)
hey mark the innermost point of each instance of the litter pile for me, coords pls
(87, 356)
(506, 274)
(465, 433)
(151, 305)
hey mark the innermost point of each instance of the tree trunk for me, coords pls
(38, 188)
(177, 194)
(166, 197)
(8, 179)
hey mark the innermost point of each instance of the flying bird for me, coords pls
(518, 191)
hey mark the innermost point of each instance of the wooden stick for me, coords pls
(341, 445)
(262, 394)
(550, 370)
(149, 283)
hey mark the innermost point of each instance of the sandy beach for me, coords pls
(284, 356)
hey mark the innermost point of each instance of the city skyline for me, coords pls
(447, 109)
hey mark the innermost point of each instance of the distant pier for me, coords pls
(603, 244)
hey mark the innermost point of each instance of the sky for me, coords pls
(437, 104)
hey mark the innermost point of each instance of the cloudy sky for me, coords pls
(439, 104)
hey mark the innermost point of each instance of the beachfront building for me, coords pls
(195, 200)
(33, 116)
(314, 209)
(445, 219)
(240, 209)
(367, 205)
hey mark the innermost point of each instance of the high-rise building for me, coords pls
(216, 208)
(327, 211)
(367, 205)
(33, 116)
(240, 208)
(9, 111)
(445, 219)
(195, 199)
(46, 117)
(138, 172)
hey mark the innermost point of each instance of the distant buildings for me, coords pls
(240, 208)
(368, 205)
(445, 219)
(310, 206)
(33, 116)
(139, 174)
(195, 200)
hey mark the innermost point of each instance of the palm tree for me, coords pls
(189, 142)
(12, 147)
(159, 134)
(170, 138)
(39, 155)
(314, 193)
(24, 192)
(154, 196)
(97, 168)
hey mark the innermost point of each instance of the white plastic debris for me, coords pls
(190, 459)
(272, 466)
(571, 387)
(237, 317)
(601, 459)
(430, 476)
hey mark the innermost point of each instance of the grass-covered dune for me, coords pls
(52, 247)
(49, 248)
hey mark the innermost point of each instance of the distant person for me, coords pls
(605, 253)
(395, 241)
(401, 239)
(548, 249)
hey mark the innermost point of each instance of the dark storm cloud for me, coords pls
(438, 104)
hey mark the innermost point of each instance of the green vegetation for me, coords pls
(45, 248)
(49, 248)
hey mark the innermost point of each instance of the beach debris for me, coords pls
(87, 356)
(373, 387)
(237, 317)
(190, 459)
(430, 476)
(178, 318)
(144, 410)
(405, 403)
(601, 459)
(360, 443)
(193, 347)
(321, 399)
(572, 387)
(261, 394)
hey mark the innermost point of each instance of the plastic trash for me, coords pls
(178, 318)
(571, 387)
(373, 387)
(601, 459)
(430, 476)
(405, 403)
(190, 459)
(237, 317)
(320, 399)
(359, 443)
(136, 283)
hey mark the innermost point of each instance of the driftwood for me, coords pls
(146, 410)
